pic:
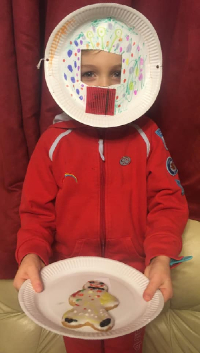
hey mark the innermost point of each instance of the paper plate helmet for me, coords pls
(116, 29)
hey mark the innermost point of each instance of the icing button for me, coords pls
(105, 322)
(69, 320)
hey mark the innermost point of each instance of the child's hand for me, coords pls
(30, 268)
(158, 272)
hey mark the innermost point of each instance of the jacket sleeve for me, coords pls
(167, 206)
(37, 210)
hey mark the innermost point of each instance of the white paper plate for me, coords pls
(54, 74)
(65, 277)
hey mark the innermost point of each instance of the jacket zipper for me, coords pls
(102, 214)
(102, 208)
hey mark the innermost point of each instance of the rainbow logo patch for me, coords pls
(71, 175)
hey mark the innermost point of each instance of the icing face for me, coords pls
(96, 285)
(113, 37)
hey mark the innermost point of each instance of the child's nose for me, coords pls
(103, 81)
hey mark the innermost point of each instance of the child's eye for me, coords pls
(88, 74)
(117, 74)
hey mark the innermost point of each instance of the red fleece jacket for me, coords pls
(75, 203)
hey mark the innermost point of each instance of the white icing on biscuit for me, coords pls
(92, 303)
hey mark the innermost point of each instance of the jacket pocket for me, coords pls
(91, 247)
(123, 250)
(82, 247)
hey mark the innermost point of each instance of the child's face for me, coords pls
(100, 68)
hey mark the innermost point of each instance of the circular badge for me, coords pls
(171, 166)
(125, 160)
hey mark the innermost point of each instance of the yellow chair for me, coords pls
(177, 328)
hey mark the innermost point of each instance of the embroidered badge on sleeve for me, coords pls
(171, 168)
(159, 133)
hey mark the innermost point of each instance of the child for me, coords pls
(95, 191)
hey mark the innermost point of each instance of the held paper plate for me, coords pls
(63, 278)
(62, 70)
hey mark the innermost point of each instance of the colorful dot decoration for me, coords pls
(131, 86)
(140, 77)
(69, 53)
(133, 60)
(70, 68)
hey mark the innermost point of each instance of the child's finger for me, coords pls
(30, 268)
(36, 281)
(149, 292)
(167, 292)
(18, 281)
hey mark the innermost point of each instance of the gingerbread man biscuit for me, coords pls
(91, 305)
